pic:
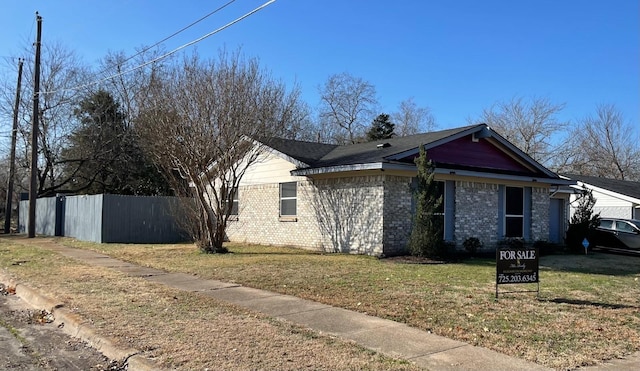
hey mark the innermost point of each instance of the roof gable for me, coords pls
(476, 148)
(384, 150)
(470, 152)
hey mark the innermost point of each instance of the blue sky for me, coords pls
(456, 57)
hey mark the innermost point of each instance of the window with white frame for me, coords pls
(288, 199)
(514, 212)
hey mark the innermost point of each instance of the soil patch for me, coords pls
(33, 342)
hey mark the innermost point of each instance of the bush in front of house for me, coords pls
(472, 245)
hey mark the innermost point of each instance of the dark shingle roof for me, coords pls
(322, 155)
(624, 187)
(322, 158)
(307, 152)
(362, 153)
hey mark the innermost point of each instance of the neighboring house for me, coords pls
(359, 198)
(614, 198)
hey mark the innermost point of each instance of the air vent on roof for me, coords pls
(383, 145)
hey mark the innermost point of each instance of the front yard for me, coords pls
(588, 309)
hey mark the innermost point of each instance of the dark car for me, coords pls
(617, 234)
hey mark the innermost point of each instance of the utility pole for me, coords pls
(33, 187)
(12, 156)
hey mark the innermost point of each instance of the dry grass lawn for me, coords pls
(588, 309)
(181, 330)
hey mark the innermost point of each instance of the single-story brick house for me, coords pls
(614, 198)
(358, 198)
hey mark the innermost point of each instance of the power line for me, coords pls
(147, 48)
(166, 54)
(172, 35)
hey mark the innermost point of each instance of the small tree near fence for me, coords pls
(426, 234)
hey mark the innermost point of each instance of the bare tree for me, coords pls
(411, 119)
(347, 107)
(61, 74)
(531, 125)
(205, 123)
(605, 145)
(130, 85)
(301, 126)
(7, 105)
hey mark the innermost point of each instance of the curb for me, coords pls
(75, 326)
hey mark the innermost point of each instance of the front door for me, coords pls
(556, 220)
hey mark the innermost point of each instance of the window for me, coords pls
(514, 212)
(624, 227)
(288, 199)
(234, 203)
(606, 224)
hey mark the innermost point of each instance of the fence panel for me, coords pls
(83, 217)
(129, 219)
(45, 216)
(108, 218)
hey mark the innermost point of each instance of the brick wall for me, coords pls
(397, 214)
(540, 214)
(337, 215)
(259, 218)
(349, 213)
(369, 214)
(477, 213)
(476, 206)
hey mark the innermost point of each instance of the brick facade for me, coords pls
(369, 214)
(259, 218)
(398, 199)
(540, 214)
(476, 208)
(349, 213)
(335, 215)
(477, 213)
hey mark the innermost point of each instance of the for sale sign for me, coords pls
(517, 265)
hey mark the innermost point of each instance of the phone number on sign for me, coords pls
(524, 278)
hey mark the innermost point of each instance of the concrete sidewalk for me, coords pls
(384, 336)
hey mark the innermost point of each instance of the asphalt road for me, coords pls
(29, 342)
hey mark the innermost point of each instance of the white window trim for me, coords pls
(287, 218)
